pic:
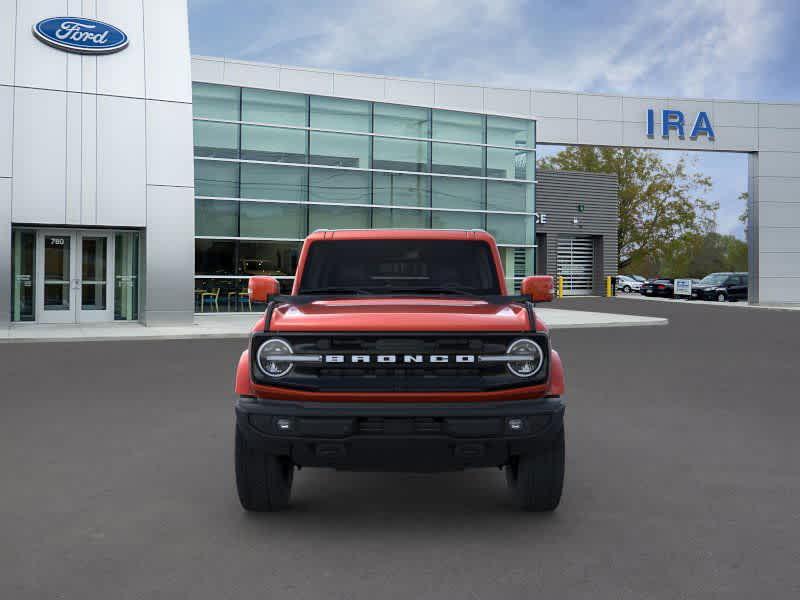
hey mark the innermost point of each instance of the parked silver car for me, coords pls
(628, 284)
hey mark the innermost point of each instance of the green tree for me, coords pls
(659, 201)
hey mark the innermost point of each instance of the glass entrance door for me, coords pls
(94, 302)
(55, 276)
(74, 272)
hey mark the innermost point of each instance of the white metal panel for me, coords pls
(6, 127)
(464, 97)
(507, 102)
(778, 239)
(779, 264)
(5, 249)
(735, 114)
(556, 131)
(409, 91)
(167, 60)
(779, 290)
(74, 158)
(738, 139)
(778, 164)
(600, 133)
(778, 190)
(37, 64)
(306, 81)
(39, 156)
(357, 86)
(89, 159)
(121, 169)
(169, 143)
(169, 254)
(635, 136)
(249, 75)
(779, 115)
(122, 73)
(634, 109)
(599, 108)
(555, 104)
(781, 140)
(8, 23)
(206, 69)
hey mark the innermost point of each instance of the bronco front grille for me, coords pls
(418, 362)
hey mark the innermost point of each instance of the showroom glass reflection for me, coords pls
(272, 166)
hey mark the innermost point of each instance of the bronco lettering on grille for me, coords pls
(398, 358)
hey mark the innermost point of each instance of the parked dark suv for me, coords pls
(721, 287)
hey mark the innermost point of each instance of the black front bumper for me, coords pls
(399, 436)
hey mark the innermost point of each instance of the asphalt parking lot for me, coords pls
(683, 479)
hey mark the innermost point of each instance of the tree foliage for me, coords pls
(694, 255)
(660, 202)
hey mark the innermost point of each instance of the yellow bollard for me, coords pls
(560, 286)
(608, 287)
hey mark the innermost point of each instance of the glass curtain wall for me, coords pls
(272, 166)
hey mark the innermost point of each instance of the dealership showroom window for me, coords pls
(272, 166)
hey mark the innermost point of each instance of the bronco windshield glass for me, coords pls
(392, 266)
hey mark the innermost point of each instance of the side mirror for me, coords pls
(538, 287)
(260, 288)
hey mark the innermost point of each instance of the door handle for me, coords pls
(76, 284)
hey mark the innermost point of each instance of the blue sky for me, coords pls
(740, 49)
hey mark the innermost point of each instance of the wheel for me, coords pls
(626, 289)
(536, 479)
(721, 297)
(263, 481)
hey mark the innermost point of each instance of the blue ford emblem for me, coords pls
(76, 34)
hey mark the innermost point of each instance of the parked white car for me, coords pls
(627, 284)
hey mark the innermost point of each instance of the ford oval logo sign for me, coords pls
(76, 34)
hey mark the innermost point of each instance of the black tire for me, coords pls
(627, 289)
(536, 479)
(263, 481)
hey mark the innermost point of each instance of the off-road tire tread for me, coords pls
(263, 481)
(537, 479)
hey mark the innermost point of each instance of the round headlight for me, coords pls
(267, 354)
(530, 365)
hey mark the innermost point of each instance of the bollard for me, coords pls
(560, 286)
(608, 287)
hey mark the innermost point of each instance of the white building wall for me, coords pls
(83, 139)
(769, 132)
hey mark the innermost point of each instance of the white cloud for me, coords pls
(687, 47)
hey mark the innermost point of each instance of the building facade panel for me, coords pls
(169, 250)
(735, 114)
(459, 97)
(6, 129)
(5, 249)
(167, 59)
(354, 86)
(8, 26)
(121, 161)
(36, 65)
(40, 118)
(169, 143)
(237, 73)
(599, 133)
(563, 105)
(599, 108)
(306, 81)
(121, 73)
(408, 91)
(507, 101)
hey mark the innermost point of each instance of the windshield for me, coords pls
(714, 279)
(391, 266)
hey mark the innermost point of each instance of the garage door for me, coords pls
(576, 264)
